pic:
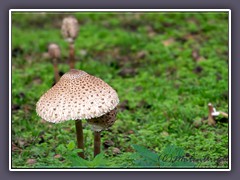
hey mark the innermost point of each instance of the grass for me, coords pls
(166, 68)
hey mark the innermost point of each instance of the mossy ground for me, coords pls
(166, 68)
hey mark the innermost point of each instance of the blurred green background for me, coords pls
(166, 68)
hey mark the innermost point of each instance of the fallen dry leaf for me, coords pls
(116, 151)
(150, 31)
(57, 156)
(37, 80)
(141, 54)
(168, 42)
(164, 133)
(27, 108)
(130, 132)
(15, 148)
(196, 56)
(31, 161)
(108, 143)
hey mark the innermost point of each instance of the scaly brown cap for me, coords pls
(54, 51)
(103, 122)
(77, 95)
(70, 28)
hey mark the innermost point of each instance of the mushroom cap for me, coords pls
(77, 95)
(103, 122)
(70, 28)
(54, 51)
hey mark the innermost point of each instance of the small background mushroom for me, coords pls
(54, 52)
(70, 29)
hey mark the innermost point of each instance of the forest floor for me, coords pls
(166, 68)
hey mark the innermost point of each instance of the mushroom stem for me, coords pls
(71, 55)
(211, 120)
(97, 142)
(56, 72)
(79, 132)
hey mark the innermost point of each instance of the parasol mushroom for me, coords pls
(77, 96)
(54, 52)
(70, 29)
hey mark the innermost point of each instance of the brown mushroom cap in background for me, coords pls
(54, 51)
(77, 95)
(70, 28)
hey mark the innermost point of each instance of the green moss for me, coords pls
(168, 90)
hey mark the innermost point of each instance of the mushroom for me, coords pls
(99, 124)
(77, 96)
(54, 52)
(70, 29)
(211, 114)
